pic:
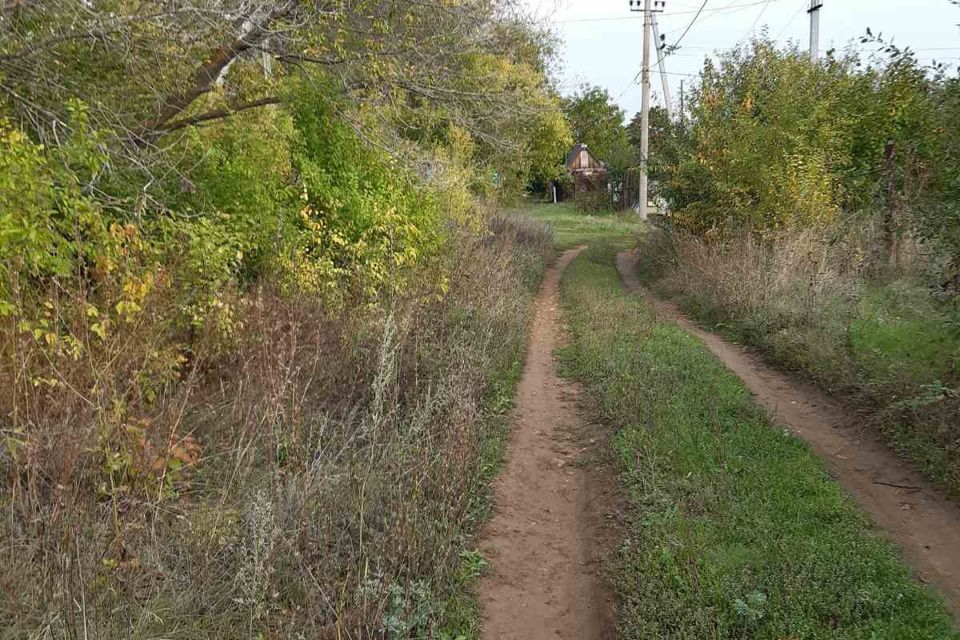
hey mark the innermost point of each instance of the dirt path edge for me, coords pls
(909, 510)
(542, 542)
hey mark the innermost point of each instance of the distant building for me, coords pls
(589, 173)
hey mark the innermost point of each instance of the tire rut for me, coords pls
(542, 543)
(909, 510)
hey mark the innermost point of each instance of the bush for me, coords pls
(592, 201)
(323, 473)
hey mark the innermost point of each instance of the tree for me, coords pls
(669, 143)
(597, 121)
(150, 68)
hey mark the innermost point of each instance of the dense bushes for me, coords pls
(256, 331)
(592, 201)
(319, 478)
(777, 142)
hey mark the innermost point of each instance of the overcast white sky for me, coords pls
(602, 38)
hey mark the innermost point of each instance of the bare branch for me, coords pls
(217, 114)
(206, 75)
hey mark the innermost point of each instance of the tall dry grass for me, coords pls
(318, 476)
(827, 302)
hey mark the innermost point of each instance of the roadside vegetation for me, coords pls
(733, 527)
(813, 214)
(259, 312)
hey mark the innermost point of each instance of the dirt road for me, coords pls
(542, 542)
(908, 510)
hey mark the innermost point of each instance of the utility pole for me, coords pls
(682, 106)
(661, 54)
(645, 103)
(814, 12)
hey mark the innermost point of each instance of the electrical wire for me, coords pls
(756, 20)
(663, 51)
(730, 8)
(803, 6)
(690, 26)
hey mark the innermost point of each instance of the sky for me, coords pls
(602, 39)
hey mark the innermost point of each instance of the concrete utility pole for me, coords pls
(682, 106)
(814, 12)
(644, 106)
(661, 54)
(642, 196)
(645, 114)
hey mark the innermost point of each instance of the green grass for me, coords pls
(903, 333)
(734, 529)
(572, 227)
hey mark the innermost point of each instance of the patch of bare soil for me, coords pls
(910, 511)
(543, 543)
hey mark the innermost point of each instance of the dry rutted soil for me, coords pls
(543, 541)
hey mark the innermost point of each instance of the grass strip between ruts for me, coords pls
(735, 529)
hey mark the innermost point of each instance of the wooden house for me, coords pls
(589, 173)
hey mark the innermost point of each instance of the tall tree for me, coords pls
(151, 67)
(597, 121)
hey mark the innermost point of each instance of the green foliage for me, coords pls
(48, 225)
(779, 142)
(597, 121)
(235, 203)
(767, 141)
(361, 221)
(197, 270)
(547, 143)
(592, 201)
(531, 136)
(670, 143)
(939, 203)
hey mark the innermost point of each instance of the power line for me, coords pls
(663, 51)
(756, 20)
(689, 26)
(792, 18)
(730, 8)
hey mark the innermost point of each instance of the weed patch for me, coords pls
(321, 478)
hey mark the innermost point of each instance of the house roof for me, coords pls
(577, 148)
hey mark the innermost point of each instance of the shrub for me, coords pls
(323, 474)
(592, 201)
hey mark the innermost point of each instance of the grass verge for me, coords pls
(734, 529)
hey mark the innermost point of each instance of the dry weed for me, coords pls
(316, 477)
